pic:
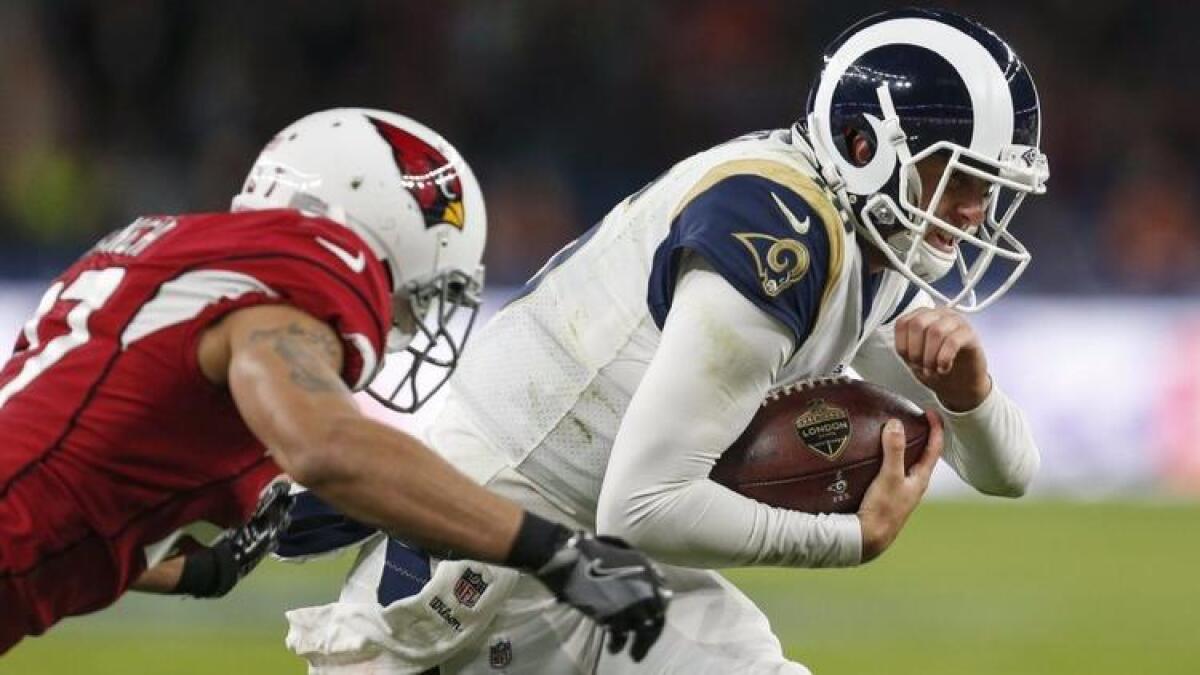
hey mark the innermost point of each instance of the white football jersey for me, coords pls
(547, 381)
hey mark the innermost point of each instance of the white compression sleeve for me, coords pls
(714, 365)
(990, 447)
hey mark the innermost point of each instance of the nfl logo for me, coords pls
(500, 654)
(469, 587)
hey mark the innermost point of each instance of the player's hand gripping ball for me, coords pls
(816, 446)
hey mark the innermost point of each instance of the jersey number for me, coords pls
(91, 289)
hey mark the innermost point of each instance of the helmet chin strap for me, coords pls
(894, 136)
(828, 169)
(928, 262)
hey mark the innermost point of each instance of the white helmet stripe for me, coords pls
(991, 100)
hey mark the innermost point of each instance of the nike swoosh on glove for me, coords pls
(617, 586)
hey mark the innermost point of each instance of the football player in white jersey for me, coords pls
(857, 238)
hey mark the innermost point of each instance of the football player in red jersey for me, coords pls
(181, 366)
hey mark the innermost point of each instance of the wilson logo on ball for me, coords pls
(824, 428)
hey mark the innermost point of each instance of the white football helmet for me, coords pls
(414, 201)
(915, 83)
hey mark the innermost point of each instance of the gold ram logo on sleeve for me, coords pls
(780, 263)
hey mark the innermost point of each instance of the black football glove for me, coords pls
(618, 587)
(214, 571)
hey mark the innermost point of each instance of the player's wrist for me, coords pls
(979, 404)
(880, 527)
(877, 535)
(208, 573)
(963, 400)
(536, 542)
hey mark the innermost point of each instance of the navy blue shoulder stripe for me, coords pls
(762, 237)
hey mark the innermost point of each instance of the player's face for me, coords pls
(963, 202)
(403, 320)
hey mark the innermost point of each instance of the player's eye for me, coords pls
(970, 187)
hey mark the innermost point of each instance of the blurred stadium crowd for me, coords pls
(112, 108)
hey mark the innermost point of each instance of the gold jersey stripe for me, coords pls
(797, 181)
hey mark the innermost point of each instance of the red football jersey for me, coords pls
(113, 438)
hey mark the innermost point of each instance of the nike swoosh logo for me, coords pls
(355, 263)
(800, 226)
(596, 570)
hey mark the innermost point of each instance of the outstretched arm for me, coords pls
(281, 366)
(162, 578)
(283, 374)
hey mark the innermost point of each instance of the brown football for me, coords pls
(815, 446)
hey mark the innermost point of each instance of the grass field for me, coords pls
(975, 589)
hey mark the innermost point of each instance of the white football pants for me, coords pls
(519, 628)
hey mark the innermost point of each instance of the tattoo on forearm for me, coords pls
(296, 346)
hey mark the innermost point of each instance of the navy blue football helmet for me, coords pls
(916, 83)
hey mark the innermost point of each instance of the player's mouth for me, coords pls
(942, 241)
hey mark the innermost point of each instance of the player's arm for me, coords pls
(717, 358)
(212, 571)
(281, 366)
(283, 373)
(162, 578)
(934, 357)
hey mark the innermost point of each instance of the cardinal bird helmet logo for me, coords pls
(428, 176)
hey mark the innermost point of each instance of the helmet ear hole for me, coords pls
(860, 146)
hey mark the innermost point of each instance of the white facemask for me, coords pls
(929, 263)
